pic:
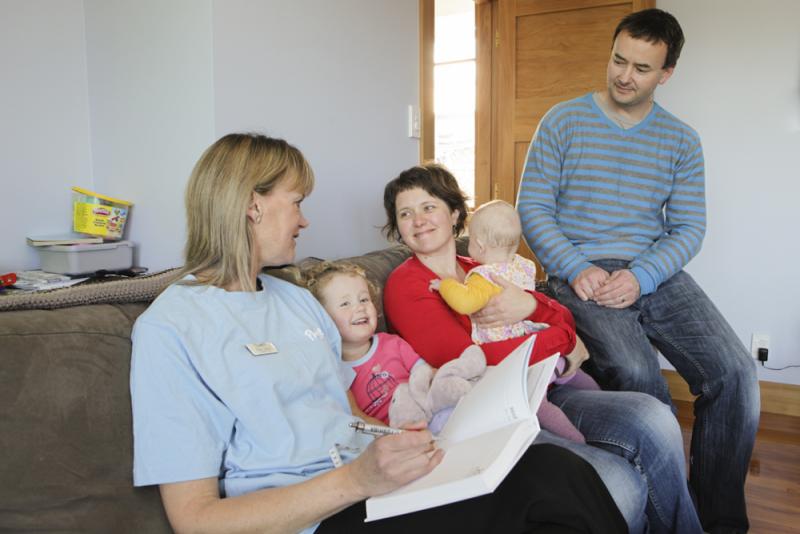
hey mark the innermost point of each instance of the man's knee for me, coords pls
(735, 374)
(640, 373)
(657, 423)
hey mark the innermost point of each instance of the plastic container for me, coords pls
(86, 259)
(97, 214)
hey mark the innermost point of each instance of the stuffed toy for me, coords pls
(431, 394)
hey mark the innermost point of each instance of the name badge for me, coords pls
(261, 349)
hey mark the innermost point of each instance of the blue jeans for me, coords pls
(685, 326)
(645, 470)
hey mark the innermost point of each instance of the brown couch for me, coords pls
(65, 410)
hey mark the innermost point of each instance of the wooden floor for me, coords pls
(773, 483)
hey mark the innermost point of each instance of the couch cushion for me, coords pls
(65, 415)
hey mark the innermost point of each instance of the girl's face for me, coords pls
(424, 221)
(347, 300)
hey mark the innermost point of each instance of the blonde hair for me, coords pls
(317, 278)
(496, 224)
(219, 241)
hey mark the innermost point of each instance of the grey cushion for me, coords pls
(65, 415)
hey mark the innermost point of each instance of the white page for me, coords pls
(470, 468)
(539, 376)
(499, 398)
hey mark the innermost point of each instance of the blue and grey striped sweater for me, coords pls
(592, 190)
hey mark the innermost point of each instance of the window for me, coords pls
(454, 90)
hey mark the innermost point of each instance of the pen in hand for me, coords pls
(378, 430)
(374, 430)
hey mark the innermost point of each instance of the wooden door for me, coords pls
(532, 54)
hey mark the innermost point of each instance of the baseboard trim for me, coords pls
(783, 399)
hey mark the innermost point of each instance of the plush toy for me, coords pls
(431, 393)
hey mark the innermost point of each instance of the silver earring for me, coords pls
(258, 215)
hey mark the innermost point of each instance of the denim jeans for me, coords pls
(645, 471)
(685, 326)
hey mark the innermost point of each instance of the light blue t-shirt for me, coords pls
(205, 406)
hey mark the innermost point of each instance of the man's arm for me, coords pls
(537, 203)
(685, 222)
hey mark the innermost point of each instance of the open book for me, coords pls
(487, 433)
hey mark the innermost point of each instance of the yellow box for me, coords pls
(96, 214)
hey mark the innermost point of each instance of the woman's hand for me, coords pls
(387, 463)
(575, 358)
(507, 307)
(393, 461)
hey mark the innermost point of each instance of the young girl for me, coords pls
(392, 384)
(494, 234)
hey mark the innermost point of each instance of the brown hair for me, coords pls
(219, 241)
(434, 179)
(317, 278)
(654, 26)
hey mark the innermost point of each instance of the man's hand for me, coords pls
(588, 282)
(434, 285)
(393, 461)
(619, 291)
(511, 305)
(575, 358)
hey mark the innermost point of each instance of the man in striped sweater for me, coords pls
(612, 202)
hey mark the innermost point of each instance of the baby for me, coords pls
(494, 234)
(392, 383)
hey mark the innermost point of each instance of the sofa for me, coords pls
(65, 408)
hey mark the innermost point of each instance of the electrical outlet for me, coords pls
(758, 341)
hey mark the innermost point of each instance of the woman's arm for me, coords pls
(513, 305)
(439, 334)
(422, 318)
(388, 463)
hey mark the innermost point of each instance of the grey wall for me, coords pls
(335, 79)
(157, 81)
(738, 83)
(151, 105)
(44, 122)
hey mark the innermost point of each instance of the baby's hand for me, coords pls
(434, 285)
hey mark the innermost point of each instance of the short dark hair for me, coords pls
(434, 179)
(654, 26)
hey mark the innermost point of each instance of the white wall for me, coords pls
(335, 79)
(44, 122)
(152, 112)
(738, 83)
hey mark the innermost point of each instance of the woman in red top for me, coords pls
(426, 210)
